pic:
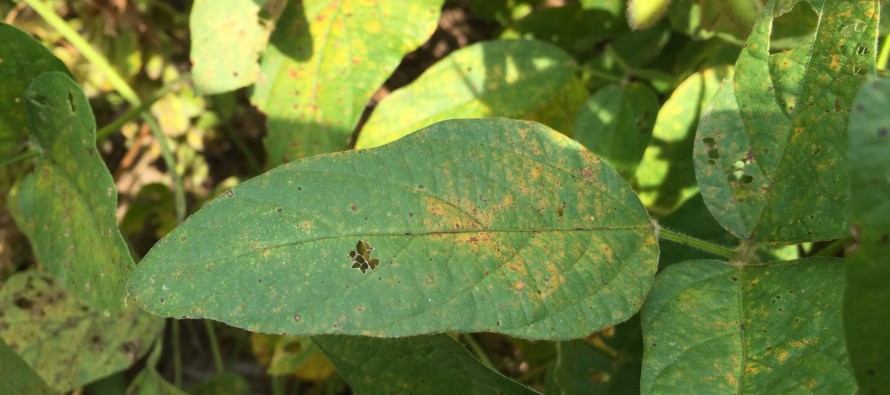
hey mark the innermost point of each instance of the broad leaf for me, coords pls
(21, 60)
(325, 60)
(227, 39)
(469, 225)
(67, 206)
(433, 364)
(665, 176)
(65, 340)
(713, 327)
(770, 154)
(867, 297)
(616, 124)
(502, 78)
(18, 378)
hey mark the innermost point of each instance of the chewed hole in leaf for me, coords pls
(361, 256)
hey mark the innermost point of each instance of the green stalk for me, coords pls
(20, 157)
(696, 243)
(214, 346)
(177, 353)
(477, 349)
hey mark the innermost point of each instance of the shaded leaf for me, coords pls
(501, 78)
(479, 225)
(21, 60)
(18, 378)
(227, 39)
(149, 381)
(434, 364)
(867, 297)
(703, 19)
(65, 340)
(769, 159)
(325, 60)
(222, 383)
(579, 31)
(616, 124)
(712, 327)
(67, 206)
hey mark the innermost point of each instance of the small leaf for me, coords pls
(66, 341)
(67, 206)
(417, 365)
(867, 297)
(462, 217)
(149, 381)
(769, 159)
(711, 327)
(502, 78)
(642, 14)
(325, 60)
(18, 378)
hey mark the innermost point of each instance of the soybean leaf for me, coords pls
(21, 60)
(616, 124)
(63, 338)
(325, 60)
(227, 39)
(702, 19)
(502, 78)
(18, 378)
(642, 14)
(867, 298)
(665, 176)
(768, 154)
(475, 225)
(713, 327)
(66, 207)
(577, 30)
(415, 365)
(149, 381)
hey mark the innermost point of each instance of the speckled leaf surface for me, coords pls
(67, 206)
(770, 153)
(711, 327)
(325, 60)
(469, 225)
(65, 340)
(18, 378)
(665, 176)
(867, 296)
(22, 59)
(616, 124)
(227, 39)
(501, 78)
(435, 364)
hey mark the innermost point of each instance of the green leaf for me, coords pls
(703, 19)
(67, 206)
(665, 176)
(867, 297)
(713, 327)
(227, 39)
(434, 364)
(149, 381)
(501, 78)
(325, 60)
(642, 14)
(577, 30)
(768, 156)
(222, 383)
(479, 225)
(18, 378)
(616, 124)
(65, 340)
(21, 60)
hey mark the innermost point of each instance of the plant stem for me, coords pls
(278, 385)
(884, 54)
(835, 247)
(696, 243)
(178, 190)
(20, 157)
(477, 349)
(214, 346)
(177, 353)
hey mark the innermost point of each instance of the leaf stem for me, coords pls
(20, 157)
(477, 349)
(178, 190)
(884, 54)
(177, 352)
(214, 346)
(696, 243)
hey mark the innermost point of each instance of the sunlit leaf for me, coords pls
(867, 297)
(712, 327)
(479, 225)
(65, 340)
(769, 157)
(325, 60)
(67, 206)
(642, 14)
(502, 78)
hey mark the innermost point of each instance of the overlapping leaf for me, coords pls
(67, 206)
(477, 225)
(867, 296)
(770, 154)
(413, 365)
(65, 340)
(712, 327)
(18, 378)
(325, 60)
(502, 78)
